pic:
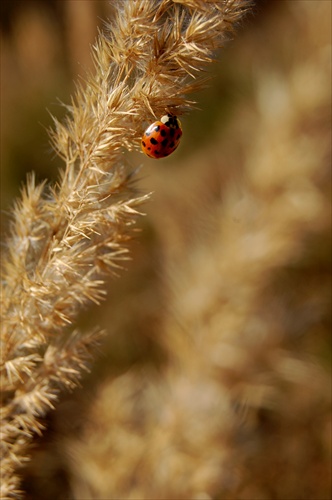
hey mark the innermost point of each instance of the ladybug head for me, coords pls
(170, 121)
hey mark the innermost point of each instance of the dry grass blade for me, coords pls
(63, 241)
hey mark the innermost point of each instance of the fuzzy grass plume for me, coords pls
(242, 408)
(64, 240)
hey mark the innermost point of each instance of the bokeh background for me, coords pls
(214, 379)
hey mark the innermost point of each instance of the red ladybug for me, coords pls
(162, 137)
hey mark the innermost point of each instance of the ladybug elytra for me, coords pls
(162, 137)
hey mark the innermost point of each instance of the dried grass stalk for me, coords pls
(242, 409)
(64, 240)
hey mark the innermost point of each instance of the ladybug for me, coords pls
(162, 137)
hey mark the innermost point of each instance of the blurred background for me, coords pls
(214, 379)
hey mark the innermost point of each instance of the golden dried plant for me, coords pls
(65, 239)
(242, 410)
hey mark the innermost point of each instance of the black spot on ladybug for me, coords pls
(153, 141)
(157, 152)
(172, 132)
(164, 143)
(172, 144)
(163, 133)
(143, 143)
(178, 136)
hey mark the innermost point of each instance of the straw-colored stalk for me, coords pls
(64, 240)
(242, 408)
